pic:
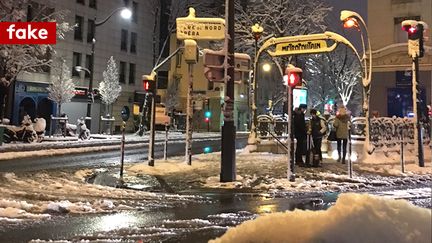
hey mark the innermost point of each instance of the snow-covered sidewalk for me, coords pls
(39, 194)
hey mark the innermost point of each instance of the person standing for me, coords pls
(317, 128)
(300, 133)
(341, 124)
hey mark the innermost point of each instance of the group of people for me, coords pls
(317, 128)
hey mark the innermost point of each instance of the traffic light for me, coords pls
(214, 65)
(214, 69)
(207, 116)
(415, 30)
(149, 83)
(293, 76)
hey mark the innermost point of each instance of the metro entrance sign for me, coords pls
(301, 47)
(305, 44)
(200, 28)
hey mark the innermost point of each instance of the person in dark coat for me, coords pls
(300, 133)
(317, 128)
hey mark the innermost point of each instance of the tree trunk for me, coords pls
(2, 106)
(58, 109)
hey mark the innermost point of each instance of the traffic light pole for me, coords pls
(188, 152)
(290, 139)
(152, 126)
(416, 104)
(228, 163)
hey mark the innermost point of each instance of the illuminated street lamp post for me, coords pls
(351, 19)
(125, 13)
(257, 31)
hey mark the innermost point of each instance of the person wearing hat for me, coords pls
(300, 133)
(341, 124)
(317, 128)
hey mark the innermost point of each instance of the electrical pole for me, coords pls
(228, 163)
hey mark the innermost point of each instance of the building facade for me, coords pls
(391, 90)
(130, 42)
(207, 95)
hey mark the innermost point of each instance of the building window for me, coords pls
(210, 85)
(37, 12)
(76, 61)
(135, 12)
(401, 36)
(92, 4)
(80, 2)
(89, 65)
(78, 27)
(133, 42)
(124, 37)
(90, 30)
(131, 73)
(29, 13)
(162, 79)
(122, 76)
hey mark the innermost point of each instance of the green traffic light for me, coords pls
(207, 114)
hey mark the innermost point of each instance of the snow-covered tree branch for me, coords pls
(62, 87)
(17, 58)
(110, 88)
(335, 75)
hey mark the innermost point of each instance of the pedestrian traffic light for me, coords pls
(415, 30)
(294, 76)
(149, 83)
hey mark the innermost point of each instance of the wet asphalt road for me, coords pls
(133, 153)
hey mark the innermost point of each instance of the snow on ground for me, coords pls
(268, 172)
(41, 195)
(354, 218)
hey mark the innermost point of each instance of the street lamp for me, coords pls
(266, 67)
(351, 20)
(257, 31)
(125, 13)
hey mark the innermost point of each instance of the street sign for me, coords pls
(194, 28)
(301, 47)
(200, 28)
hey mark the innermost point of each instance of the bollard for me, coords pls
(122, 151)
(402, 154)
(166, 141)
(350, 169)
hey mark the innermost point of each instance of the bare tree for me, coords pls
(279, 18)
(15, 59)
(172, 100)
(334, 75)
(62, 87)
(110, 88)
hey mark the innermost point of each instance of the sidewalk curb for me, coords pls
(91, 143)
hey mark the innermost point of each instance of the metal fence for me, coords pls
(384, 131)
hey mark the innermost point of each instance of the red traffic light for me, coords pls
(410, 29)
(293, 79)
(146, 85)
(207, 120)
(294, 76)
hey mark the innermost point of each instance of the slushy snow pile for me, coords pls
(354, 218)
